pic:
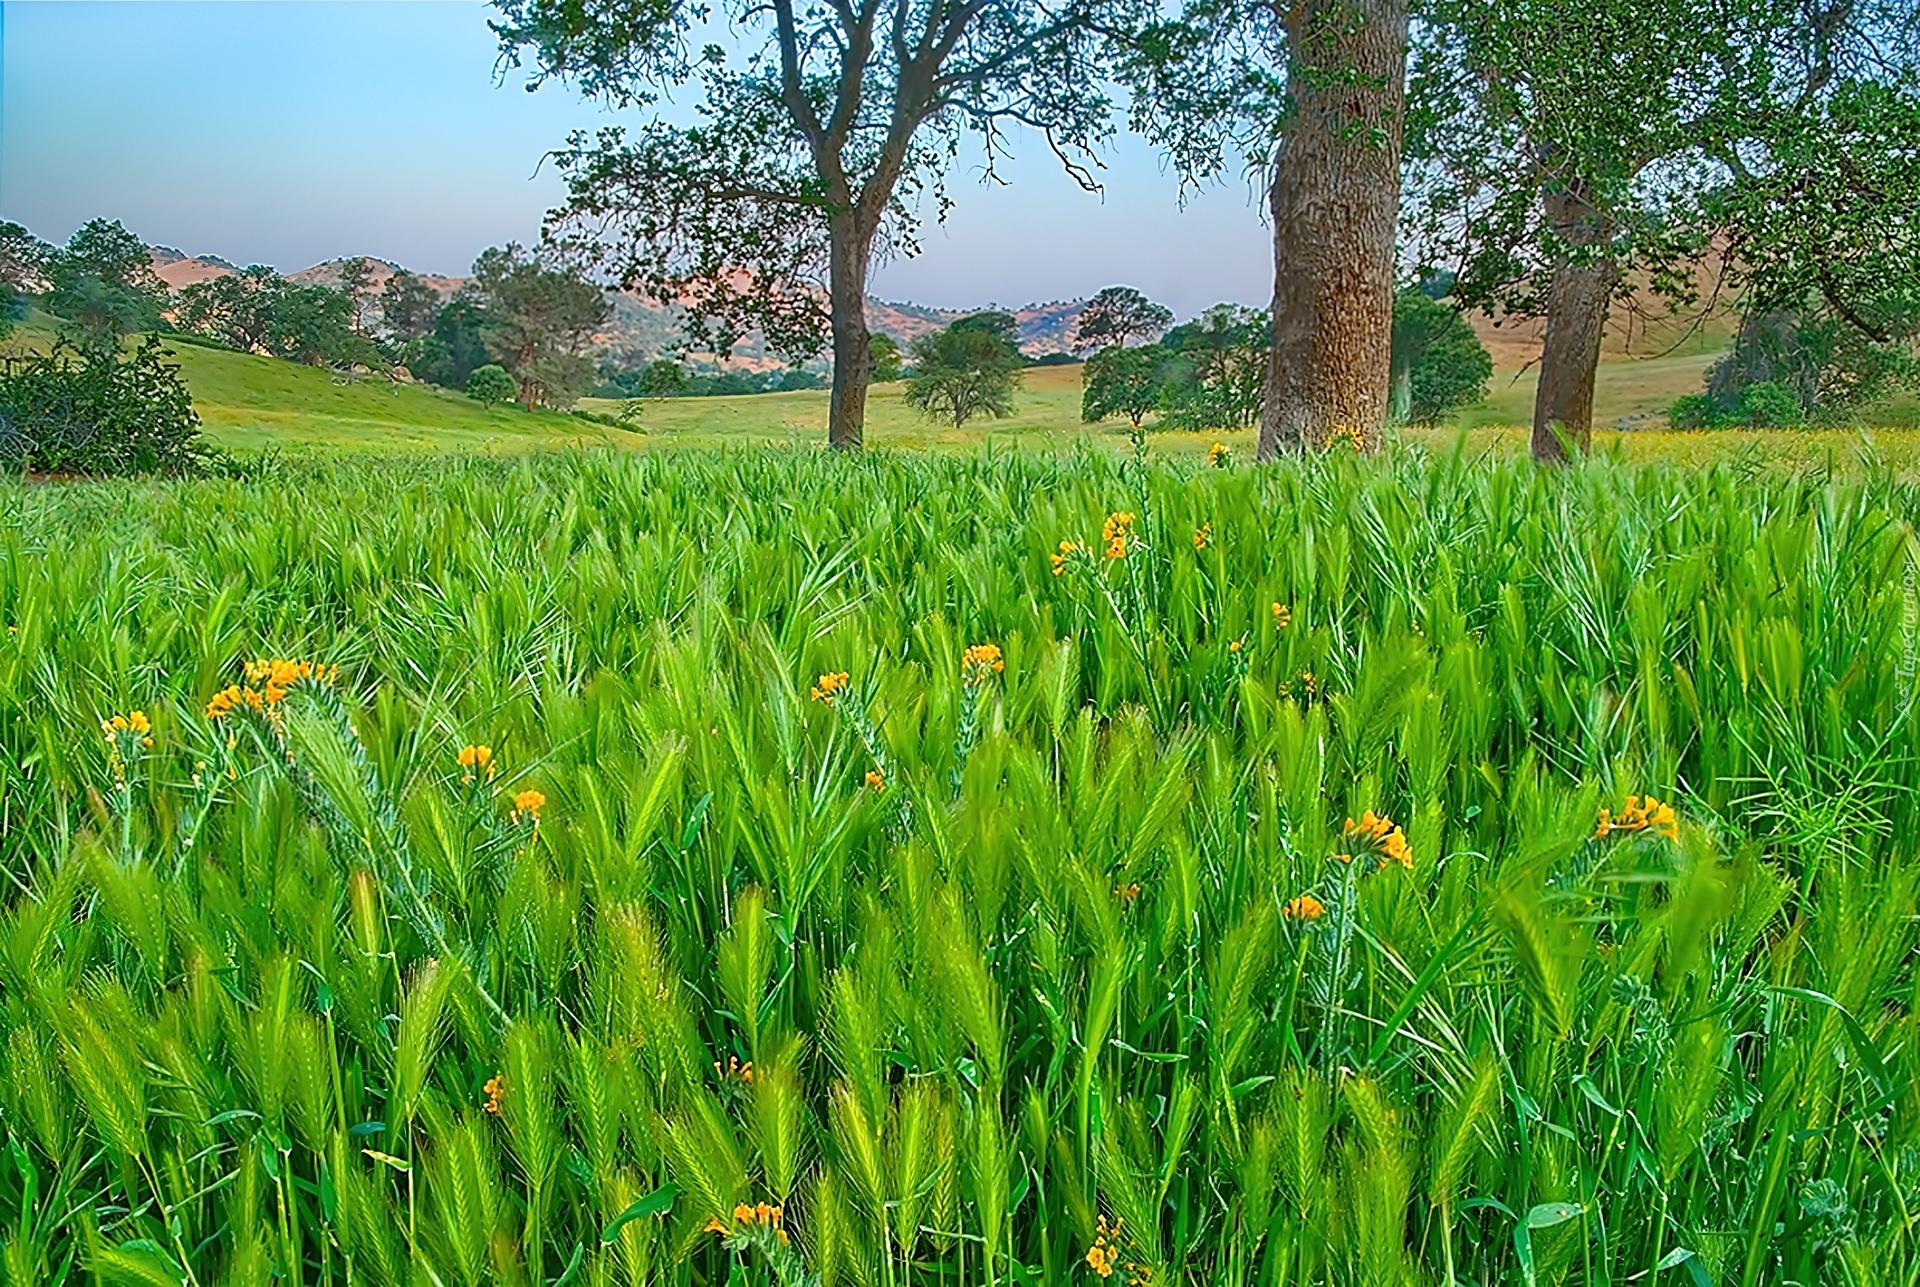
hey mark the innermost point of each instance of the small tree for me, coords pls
(1116, 315)
(237, 309)
(1218, 370)
(662, 379)
(886, 358)
(969, 369)
(1123, 382)
(1439, 364)
(490, 384)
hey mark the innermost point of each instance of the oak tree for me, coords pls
(1311, 94)
(809, 149)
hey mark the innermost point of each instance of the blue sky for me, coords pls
(287, 133)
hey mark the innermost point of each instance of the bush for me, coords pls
(1766, 404)
(1694, 411)
(1770, 405)
(106, 411)
(490, 384)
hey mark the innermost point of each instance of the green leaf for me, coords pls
(656, 1203)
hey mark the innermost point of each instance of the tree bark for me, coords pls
(1577, 299)
(1335, 199)
(852, 344)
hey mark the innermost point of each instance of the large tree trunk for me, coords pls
(1335, 199)
(852, 345)
(1577, 299)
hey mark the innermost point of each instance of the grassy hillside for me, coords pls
(248, 403)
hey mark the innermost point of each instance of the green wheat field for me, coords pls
(984, 868)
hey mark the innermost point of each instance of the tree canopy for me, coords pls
(1118, 314)
(103, 284)
(1119, 381)
(809, 151)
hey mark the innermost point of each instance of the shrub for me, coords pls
(1770, 405)
(490, 384)
(104, 411)
(1694, 411)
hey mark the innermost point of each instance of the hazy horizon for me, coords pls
(290, 133)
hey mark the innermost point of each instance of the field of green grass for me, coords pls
(995, 868)
(249, 403)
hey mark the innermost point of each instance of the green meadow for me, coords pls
(980, 867)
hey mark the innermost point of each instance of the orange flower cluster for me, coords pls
(267, 685)
(1067, 550)
(1639, 815)
(496, 1092)
(1378, 830)
(476, 760)
(1218, 456)
(1202, 536)
(1304, 908)
(1282, 616)
(1126, 893)
(876, 780)
(527, 804)
(747, 1219)
(1103, 1257)
(828, 685)
(1115, 532)
(134, 724)
(980, 661)
(735, 1070)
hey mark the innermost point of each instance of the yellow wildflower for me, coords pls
(476, 760)
(828, 685)
(1218, 455)
(1067, 550)
(496, 1092)
(1379, 831)
(1203, 535)
(979, 662)
(1282, 616)
(1637, 814)
(876, 781)
(527, 804)
(1305, 907)
(1115, 532)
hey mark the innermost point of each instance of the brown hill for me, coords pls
(641, 329)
